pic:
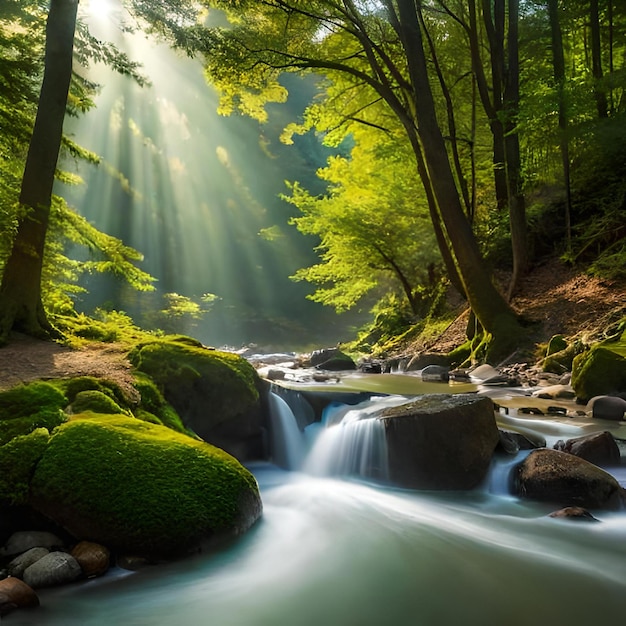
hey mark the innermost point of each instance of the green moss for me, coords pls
(597, 372)
(460, 355)
(154, 404)
(201, 384)
(27, 407)
(142, 488)
(562, 361)
(96, 401)
(556, 344)
(73, 386)
(18, 459)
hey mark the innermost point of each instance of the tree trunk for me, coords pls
(596, 59)
(517, 203)
(21, 307)
(486, 301)
(558, 61)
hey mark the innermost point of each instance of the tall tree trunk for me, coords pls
(486, 301)
(21, 307)
(517, 203)
(558, 61)
(596, 59)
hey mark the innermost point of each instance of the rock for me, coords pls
(574, 513)
(143, 488)
(553, 476)
(555, 391)
(274, 374)
(556, 344)
(436, 373)
(420, 361)
(16, 594)
(56, 568)
(94, 559)
(512, 442)
(17, 566)
(599, 371)
(484, 372)
(599, 448)
(332, 359)
(215, 393)
(607, 407)
(440, 441)
(24, 540)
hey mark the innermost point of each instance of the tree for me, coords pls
(382, 52)
(21, 305)
(373, 227)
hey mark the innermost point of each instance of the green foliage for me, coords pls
(27, 407)
(373, 225)
(18, 459)
(143, 489)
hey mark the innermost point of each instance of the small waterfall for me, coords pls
(287, 440)
(352, 442)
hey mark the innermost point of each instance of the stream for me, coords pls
(339, 547)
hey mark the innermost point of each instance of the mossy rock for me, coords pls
(599, 371)
(556, 344)
(27, 407)
(153, 406)
(562, 361)
(73, 386)
(95, 401)
(18, 459)
(205, 387)
(144, 489)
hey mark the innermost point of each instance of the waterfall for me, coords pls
(287, 440)
(352, 441)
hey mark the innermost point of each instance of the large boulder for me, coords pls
(441, 441)
(562, 478)
(143, 488)
(94, 559)
(215, 393)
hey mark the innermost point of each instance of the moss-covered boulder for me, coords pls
(215, 393)
(141, 488)
(599, 371)
(27, 407)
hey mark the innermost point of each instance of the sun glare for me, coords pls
(99, 9)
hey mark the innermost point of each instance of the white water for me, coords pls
(337, 552)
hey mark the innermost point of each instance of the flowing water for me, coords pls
(335, 548)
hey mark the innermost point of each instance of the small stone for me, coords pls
(607, 407)
(16, 594)
(574, 513)
(94, 559)
(56, 568)
(19, 564)
(24, 540)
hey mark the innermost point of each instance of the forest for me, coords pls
(466, 137)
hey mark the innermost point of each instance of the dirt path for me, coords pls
(25, 359)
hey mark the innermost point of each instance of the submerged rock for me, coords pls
(441, 441)
(575, 513)
(554, 476)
